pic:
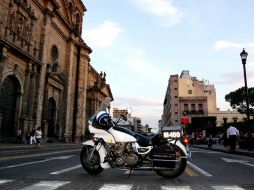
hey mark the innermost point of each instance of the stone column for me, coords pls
(82, 91)
(31, 94)
(3, 58)
(68, 91)
(24, 120)
(45, 106)
(26, 91)
(31, 98)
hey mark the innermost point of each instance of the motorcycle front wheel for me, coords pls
(181, 165)
(90, 160)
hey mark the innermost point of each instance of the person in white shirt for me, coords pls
(232, 134)
(38, 135)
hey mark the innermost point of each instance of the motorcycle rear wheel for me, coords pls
(92, 166)
(177, 171)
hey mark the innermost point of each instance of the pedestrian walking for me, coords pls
(38, 135)
(19, 136)
(32, 136)
(232, 134)
(27, 136)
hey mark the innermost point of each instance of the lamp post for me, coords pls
(244, 55)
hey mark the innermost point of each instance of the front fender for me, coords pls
(102, 152)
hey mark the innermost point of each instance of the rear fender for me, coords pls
(180, 145)
(102, 151)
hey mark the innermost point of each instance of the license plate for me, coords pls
(171, 134)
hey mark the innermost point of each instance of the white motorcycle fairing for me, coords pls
(121, 136)
(102, 152)
(103, 134)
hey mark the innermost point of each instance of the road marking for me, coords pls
(199, 169)
(66, 170)
(37, 155)
(127, 172)
(46, 185)
(238, 161)
(225, 187)
(175, 187)
(2, 181)
(190, 172)
(209, 152)
(115, 187)
(35, 162)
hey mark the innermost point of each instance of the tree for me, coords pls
(237, 100)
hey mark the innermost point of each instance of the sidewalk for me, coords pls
(221, 148)
(13, 146)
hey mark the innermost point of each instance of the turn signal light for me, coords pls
(186, 140)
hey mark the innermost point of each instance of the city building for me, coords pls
(46, 78)
(224, 117)
(132, 123)
(186, 95)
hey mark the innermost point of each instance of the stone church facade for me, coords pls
(46, 78)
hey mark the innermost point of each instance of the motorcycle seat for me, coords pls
(144, 140)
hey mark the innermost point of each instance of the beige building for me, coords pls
(186, 95)
(45, 74)
(227, 117)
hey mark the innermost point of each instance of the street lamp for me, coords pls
(244, 55)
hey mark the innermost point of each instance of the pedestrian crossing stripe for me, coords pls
(115, 187)
(175, 188)
(232, 187)
(52, 185)
(5, 181)
(46, 185)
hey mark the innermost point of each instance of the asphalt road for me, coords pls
(58, 167)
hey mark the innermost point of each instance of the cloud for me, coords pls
(160, 8)
(219, 45)
(103, 35)
(236, 78)
(146, 69)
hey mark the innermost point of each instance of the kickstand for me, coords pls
(129, 174)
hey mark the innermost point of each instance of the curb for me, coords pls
(243, 153)
(28, 146)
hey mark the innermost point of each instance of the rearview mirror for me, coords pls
(129, 110)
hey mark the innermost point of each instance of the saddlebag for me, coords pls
(163, 156)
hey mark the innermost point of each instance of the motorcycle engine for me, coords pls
(124, 155)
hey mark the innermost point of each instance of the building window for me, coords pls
(176, 121)
(186, 107)
(175, 96)
(176, 105)
(175, 88)
(200, 106)
(189, 91)
(175, 80)
(176, 113)
(54, 58)
(193, 107)
(210, 92)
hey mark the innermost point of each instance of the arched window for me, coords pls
(70, 6)
(54, 58)
(78, 23)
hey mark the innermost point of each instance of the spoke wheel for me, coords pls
(90, 160)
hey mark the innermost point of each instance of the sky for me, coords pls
(140, 43)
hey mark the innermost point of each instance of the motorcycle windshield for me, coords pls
(103, 107)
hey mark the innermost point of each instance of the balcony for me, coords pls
(193, 112)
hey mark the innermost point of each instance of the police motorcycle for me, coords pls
(113, 146)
